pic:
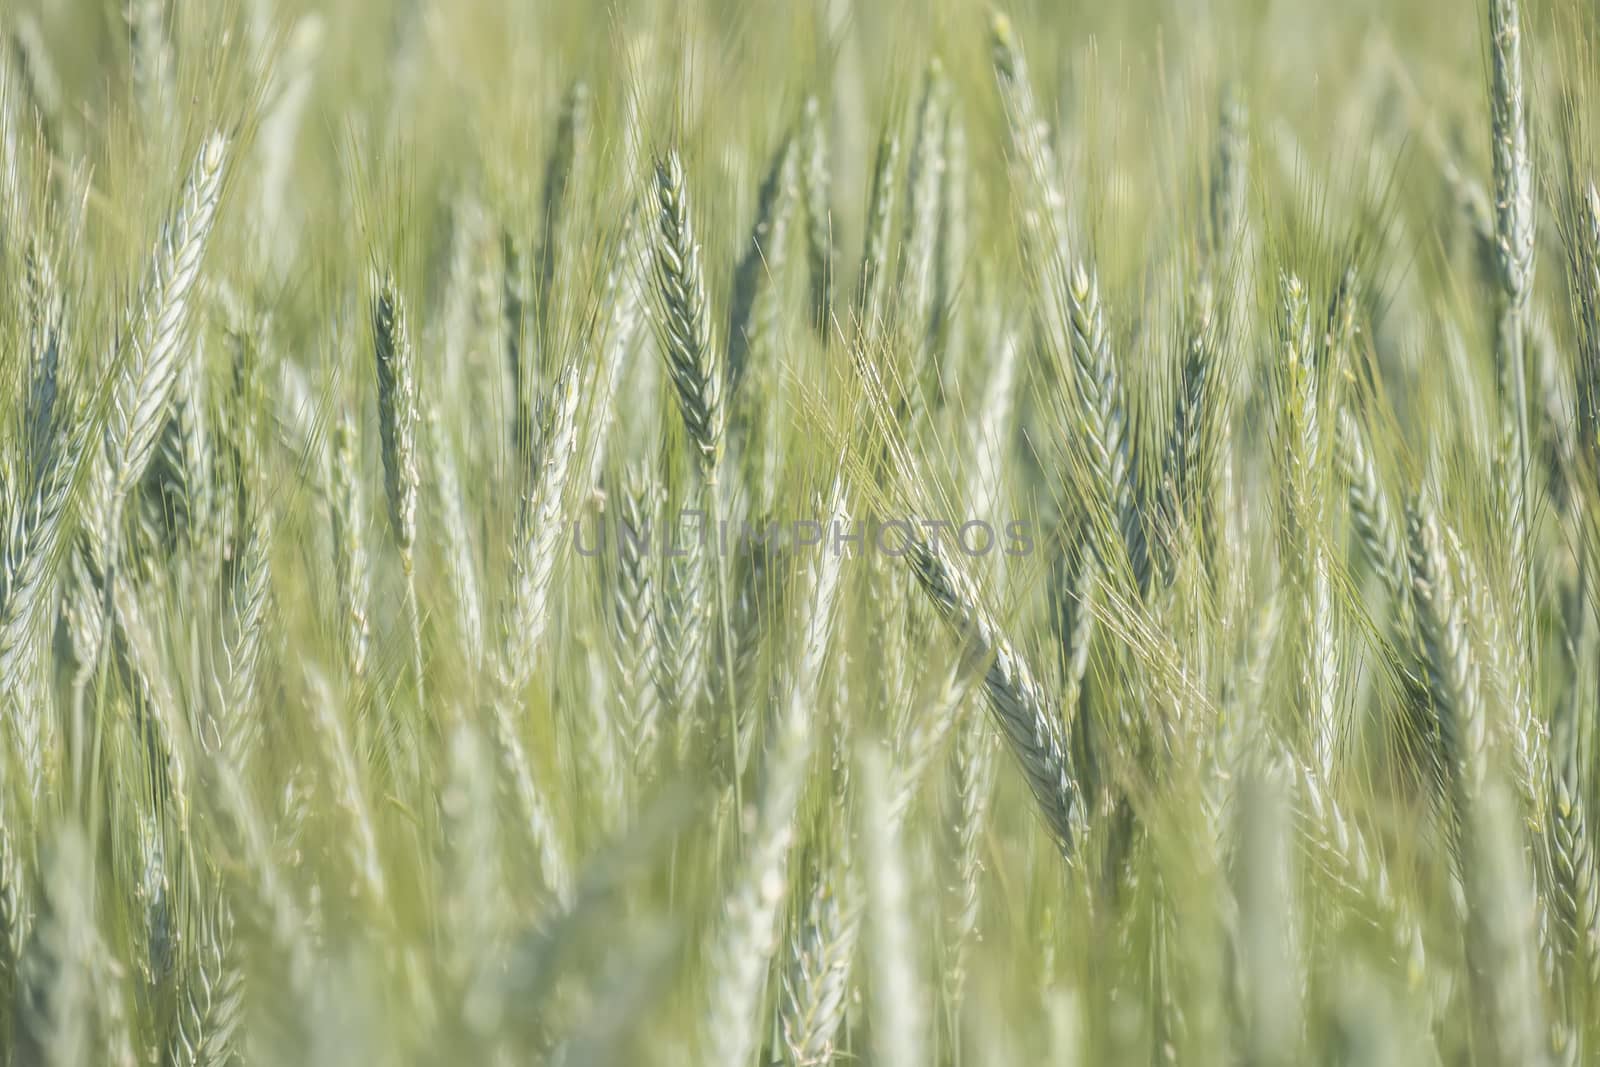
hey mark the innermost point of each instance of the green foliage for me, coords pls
(714, 533)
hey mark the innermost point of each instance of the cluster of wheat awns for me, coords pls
(388, 675)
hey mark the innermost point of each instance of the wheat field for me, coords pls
(746, 533)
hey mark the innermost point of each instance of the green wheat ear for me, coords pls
(340, 725)
(684, 321)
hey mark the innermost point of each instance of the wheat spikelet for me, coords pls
(1071, 600)
(537, 815)
(564, 167)
(1044, 202)
(288, 925)
(148, 350)
(871, 280)
(624, 296)
(1513, 165)
(1195, 442)
(1101, 411)
(1501, 930)
(686, 621)
(474, 891)
(1302, 442)
(152, 60)
(397, 414)
(349, 794)
(955, 249)
(540, 530)
(1030, 727)
(816, 983)
(212, 1007)
(1452, 672)
(1228, 203)
(753, 316)
(456, 538)
(1370, 509)
(33, 506)
(347, 519)
(635, 620)
(56, 1002)
(45, 329)
(924, 212)
(1344, 848)
(744, 946)
(685, 318)
(1575, 896)
(249, 603)
(1514, 262)
(816, 189)
(1583, 255)
(397, 434)
(1270, 997)
(898, 1005)
(16, 919)
(972, 782)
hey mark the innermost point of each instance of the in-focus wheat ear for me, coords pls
(634, 617)
(33, 505)
(149, 348)
(684, 319)
(1101, 412)
(684, 331)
